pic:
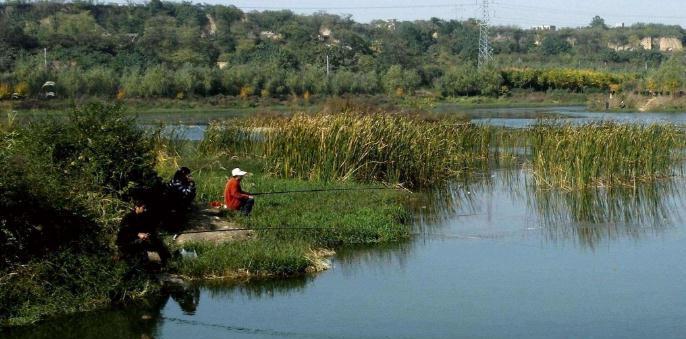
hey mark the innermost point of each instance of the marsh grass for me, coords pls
(603, 154)
(359, 147)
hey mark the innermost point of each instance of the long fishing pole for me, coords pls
(275, 228)
(332, 190)
(398, 187)
(249, 229)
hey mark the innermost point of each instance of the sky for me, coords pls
(522, 13)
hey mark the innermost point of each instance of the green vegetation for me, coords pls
(66, 184)
(246, 259)
(380, 147)
(290, 228)
(182, 50)
(63, 189)
(607, 154)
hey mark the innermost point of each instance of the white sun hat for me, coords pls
(237, 172)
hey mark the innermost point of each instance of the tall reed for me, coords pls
(377, 147)
(603, 154)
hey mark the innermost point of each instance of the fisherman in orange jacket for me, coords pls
(234, 197)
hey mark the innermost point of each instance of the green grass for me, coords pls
(245, 259)
(305, 222)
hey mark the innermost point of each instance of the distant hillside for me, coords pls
(180, 49)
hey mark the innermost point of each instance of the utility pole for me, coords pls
(328, 66)
(485, 52)
(45, 58)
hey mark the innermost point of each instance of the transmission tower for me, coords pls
(485, 52)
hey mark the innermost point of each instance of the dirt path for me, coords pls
(648, 105)
(209, 220)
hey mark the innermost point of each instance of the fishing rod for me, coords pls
(398, 187)
(175, 235)
(333, 190)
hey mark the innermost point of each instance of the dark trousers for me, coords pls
(246, 206)
(137, 249)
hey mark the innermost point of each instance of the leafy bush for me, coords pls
(62, 182)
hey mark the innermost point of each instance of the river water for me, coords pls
(494, 258)
(506, 117)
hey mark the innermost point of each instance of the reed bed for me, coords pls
(350, 146)
(575, 157)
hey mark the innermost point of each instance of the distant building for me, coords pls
(545, 28)
(271, 35)
(390, 24)
(325, 32)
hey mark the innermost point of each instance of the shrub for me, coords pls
(63, 182)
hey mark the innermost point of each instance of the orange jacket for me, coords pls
(234, 195)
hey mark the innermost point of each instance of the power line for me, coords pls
(358, 7)
(565, 12)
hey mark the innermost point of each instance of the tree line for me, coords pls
(166, 49)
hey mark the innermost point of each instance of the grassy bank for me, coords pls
(291, 229)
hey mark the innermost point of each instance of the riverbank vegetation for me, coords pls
(290, 229)
(64, 187)
(362, 147)
(67, 183)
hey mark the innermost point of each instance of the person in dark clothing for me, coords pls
(181, 189)
(138, 235)
(180, 192)
(178, 200)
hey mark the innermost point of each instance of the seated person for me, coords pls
(138, 235)
(181, 190)
(234, 197)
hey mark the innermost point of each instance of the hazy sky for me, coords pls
(524, 13)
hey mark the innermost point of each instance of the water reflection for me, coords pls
(586, 217)
(257, 289)
(142, 320)
(354, 259)
(591, 216)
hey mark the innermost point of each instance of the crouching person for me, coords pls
(234, 196)
(138, 235)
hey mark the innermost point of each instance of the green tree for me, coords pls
(598, 22)
(554, 44)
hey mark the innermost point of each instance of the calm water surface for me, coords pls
(495, 258)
